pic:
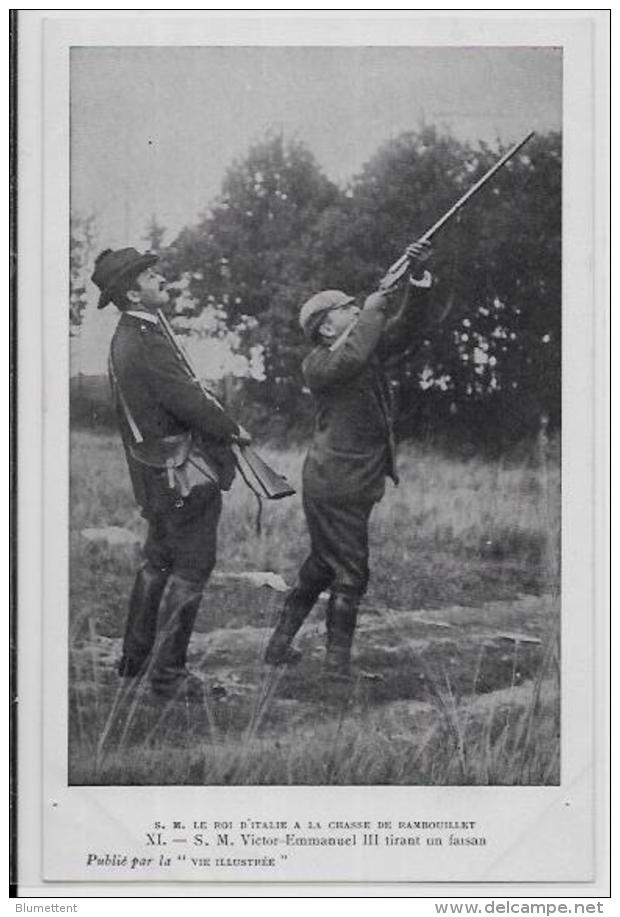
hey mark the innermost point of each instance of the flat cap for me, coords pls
(313, 311)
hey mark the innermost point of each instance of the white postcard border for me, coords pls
(73, 816)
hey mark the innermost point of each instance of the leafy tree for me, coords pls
(492, 363)
(246, 255)
(501, 344)
(409, 183)
(154, 235)
(484, 362)
(82, 240)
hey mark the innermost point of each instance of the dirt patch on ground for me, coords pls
(399, 657)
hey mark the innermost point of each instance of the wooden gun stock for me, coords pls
(272, 485)
(400, 267)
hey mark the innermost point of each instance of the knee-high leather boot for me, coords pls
(341, 619)
(175, 621)
(141, 623)
(297, 606)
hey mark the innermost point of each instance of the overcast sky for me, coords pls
(153, 130)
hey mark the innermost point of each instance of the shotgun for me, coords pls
(257, 474)
(400, 267)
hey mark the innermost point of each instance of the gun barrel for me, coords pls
(475, 188)
(400, 266)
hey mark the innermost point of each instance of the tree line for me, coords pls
(484, 365)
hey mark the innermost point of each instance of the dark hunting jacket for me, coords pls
(163, 401)
(353, 448)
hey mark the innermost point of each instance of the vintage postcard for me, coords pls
(310, 313)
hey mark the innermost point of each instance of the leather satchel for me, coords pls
(180, 457)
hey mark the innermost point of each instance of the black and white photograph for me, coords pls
(394, 616)
(312, 470)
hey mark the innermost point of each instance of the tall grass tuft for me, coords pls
(461, 552)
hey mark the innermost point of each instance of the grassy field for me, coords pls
(457, 647)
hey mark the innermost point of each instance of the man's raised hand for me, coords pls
(242, 438)
(418, 252)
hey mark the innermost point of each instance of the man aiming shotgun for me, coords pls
(351, 454)
(182, 450)
(352, 450)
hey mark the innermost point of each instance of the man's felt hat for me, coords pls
(112, 267)
(314, 310)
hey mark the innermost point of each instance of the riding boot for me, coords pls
(298, 605)
(341, 618)
(144, 601)
(175, 621)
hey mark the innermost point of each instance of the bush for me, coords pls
(90, 403)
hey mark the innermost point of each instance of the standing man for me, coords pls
(161, 411)
(351, 454)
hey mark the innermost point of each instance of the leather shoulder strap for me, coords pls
(133, 426)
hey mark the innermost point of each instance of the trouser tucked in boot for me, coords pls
(141, 624)
(338, 530)
(341, 619)
(311, 581)
(175, 621)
